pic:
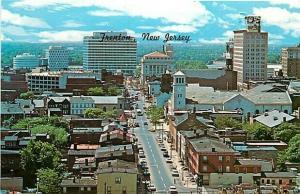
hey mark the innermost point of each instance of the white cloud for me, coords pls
(102, 24)
(62, 36)
(276, 36)
(14, 30)
(212, 41)
(145, 27)
(290, 3)
(72, 24)
(282, 18)
(177, 28)
(4, 38)
(228, 34)
(190, 12)
(103, 13)
(222, 23)
(235, 16)
(22, 20)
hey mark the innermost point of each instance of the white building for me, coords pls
(157, 63)
(79, 104)
(113, 51)
(25, 61)
(250, 52)
(58, 58)
(251, 102)
(48, 80)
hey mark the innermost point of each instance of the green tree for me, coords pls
(224, 122)
(93, 113)
(28, 123)
(95, 91)
(39, 155)
(285, 132)
(27, 95)
(111, 114)
(155, 113)
(58, 135)
(49, 181)
(138, 71)
(190, 64)
(258, 131)
(114, 91)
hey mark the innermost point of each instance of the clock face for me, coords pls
(250, 19)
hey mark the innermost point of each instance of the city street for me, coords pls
(160, 171)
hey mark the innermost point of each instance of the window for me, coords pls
(220, 169)
(227, 158)
(227, 168)
(268, 181)
(205, 168)
(220, 158)
(273, 182)
(118, 180)
(263, 181)
(280, 181)
(104, 109)
(204, 158)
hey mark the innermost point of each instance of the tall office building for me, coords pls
(113, 51)
(290, 59)
(25, 61)
(58, 58)
(250, 52)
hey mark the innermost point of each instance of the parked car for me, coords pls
(173, 190)
(169, 160)
(175, 173)
(166, 154)
(164, 149)
(136, 125)
(145, 123)
(151, 187)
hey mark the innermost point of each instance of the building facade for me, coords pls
(112, 51)
(58, 58)
(290, 59)
(25, 61)
(250, 52)
(157, 63)
(79, 104)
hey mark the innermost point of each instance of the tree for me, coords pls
(28, 123)
(224, 122)
(138, 71)
(27, 95)
(49, 181)
(39, 155)
(95, 91)
(110, 114)
(93, 113)
(58, 135)
(259, 131)
(285, 132)
(114, 91)
(190, 64)
(291, 154)
(155, 113)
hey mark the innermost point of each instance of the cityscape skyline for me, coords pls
(208, 22)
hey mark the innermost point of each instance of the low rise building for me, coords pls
(83, 185)
(273, 118)
(78, 104)
(117, 176)
(280, 179)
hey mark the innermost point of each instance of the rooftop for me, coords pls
(279, 175)
(116, 150)
(83, 181)
(273, 118)
(117, 166)
(204, 144)
(157, 54)
(105, 99)
(204, 73)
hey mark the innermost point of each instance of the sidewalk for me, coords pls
(184, 178)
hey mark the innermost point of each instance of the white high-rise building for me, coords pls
(113, 51)
(250, 52)
(58, 58)
(25, 61)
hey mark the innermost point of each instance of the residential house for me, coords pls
(280, 179)
(83, 185)
(58, 106)
(117, 176)
(273, 118)
(78, 104)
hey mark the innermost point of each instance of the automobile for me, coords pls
(141, 151)
(175, 173)
(146, 172)
(192, 179)
(145, 123)
(172, 189)
(142, 156)
(166, 154)
(151, 187)
(159, 140)
(163, 148)
(136, 124)
(184, 168)
(161, 144)
(169, 160)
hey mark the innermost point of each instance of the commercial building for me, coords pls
(39, 81)
(112, 51)
(290, 59)
(250, 52)
(58, 58)
(25, 61)
(156, 64)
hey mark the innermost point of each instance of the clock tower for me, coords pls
(179, 91)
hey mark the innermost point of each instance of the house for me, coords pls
(208, 154)
(280, 179)
(116, 137)
(85, 135)
(273, 118)
(58, 106)
(11, 111)
(122, 152)
(85, 123)
(78, 104)
(83, 185)
(84, 167)
(185, 121)
(117, 176)
(110, 103)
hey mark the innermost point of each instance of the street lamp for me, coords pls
(37, 185)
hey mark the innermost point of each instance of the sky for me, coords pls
(208, 22)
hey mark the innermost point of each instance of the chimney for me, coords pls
(86, 162)
(284, 119)
(205, 132)
(213, 149)
(195, 131)
(75, 146)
